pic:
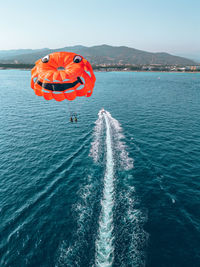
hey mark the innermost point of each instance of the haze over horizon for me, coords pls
(154, 26)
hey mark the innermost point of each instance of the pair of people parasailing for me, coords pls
(73, 117)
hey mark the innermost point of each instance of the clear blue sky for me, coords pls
(153, 25)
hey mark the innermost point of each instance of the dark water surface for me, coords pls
(120, 188)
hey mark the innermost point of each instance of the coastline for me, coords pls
(119, 68)
(142, 71)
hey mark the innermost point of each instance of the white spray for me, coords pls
(104, 243)
(98, 129)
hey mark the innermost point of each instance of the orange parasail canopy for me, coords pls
(62, 75)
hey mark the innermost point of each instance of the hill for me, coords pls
(102, 54)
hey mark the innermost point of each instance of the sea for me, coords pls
(121, 187)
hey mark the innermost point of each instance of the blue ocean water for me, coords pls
(119, 188)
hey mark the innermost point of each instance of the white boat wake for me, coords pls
(117, 137)
(117, 158)
(104, 242)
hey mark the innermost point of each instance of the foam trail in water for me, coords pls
(116, 130)
(104, 242)
(130, 238)
(126, 162)
(95, 146)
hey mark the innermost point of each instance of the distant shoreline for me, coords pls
(119, 68)
(23, 69)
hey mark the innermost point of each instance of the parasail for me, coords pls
(62, 75)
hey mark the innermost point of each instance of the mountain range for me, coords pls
(101, 54)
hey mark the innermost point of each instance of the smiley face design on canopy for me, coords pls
(62, 75)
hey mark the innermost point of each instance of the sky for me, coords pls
(152, 25)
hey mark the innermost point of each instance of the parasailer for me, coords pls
(62, 75)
